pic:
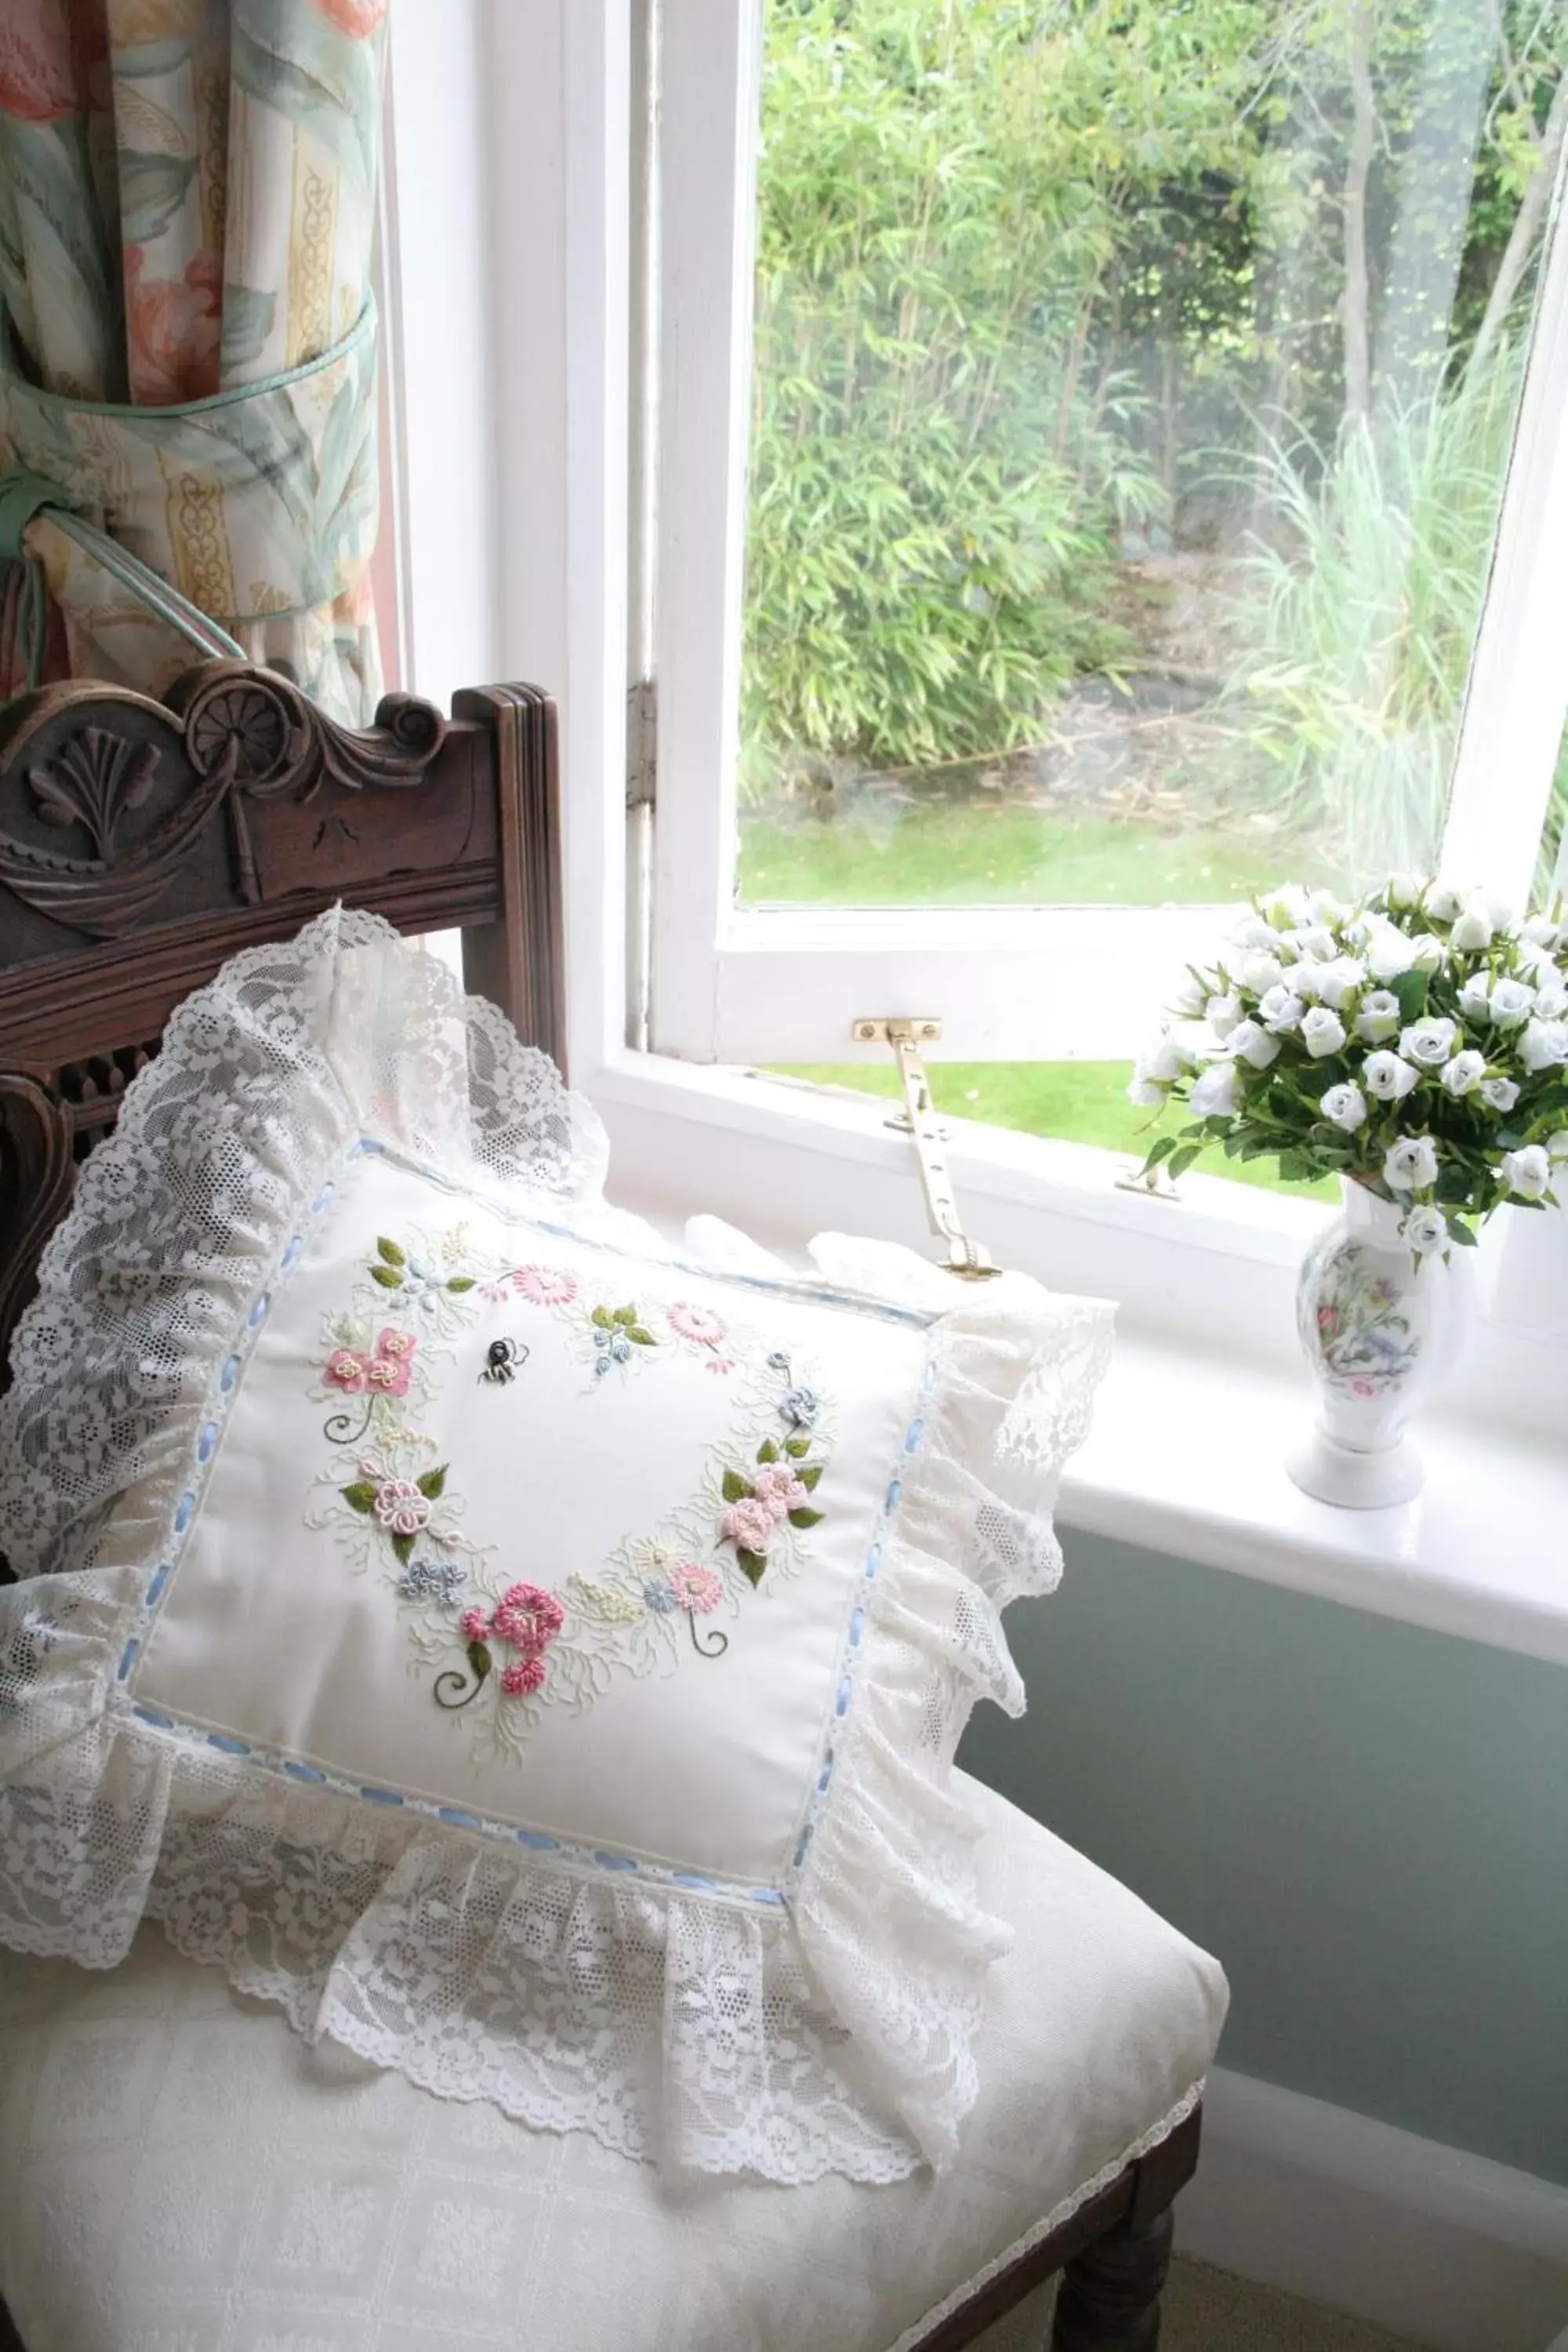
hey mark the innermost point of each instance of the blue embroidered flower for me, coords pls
(777, 1363)
(616, 1350)
(659, 1599)
(800, 1407)
(433, 1580)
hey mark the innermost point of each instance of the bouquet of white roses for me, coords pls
(1416, 1042)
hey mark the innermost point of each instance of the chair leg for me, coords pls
(1109, 2300)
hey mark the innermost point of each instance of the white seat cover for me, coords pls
(180, 2173)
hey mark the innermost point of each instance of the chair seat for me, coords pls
(179, 2172)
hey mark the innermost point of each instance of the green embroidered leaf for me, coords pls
(804, 1518)
(752, 1564)
(432, 1482)
(361, 1495)
(461, 1282)
(643, 1339)
(626, 1315)
(601, 1319)
(389, 1253)
(387, 1277)
(735, 1487)
(404, 1548)
(796, 1446)
(479, 1659)
(767, 1450)
(810, 1475)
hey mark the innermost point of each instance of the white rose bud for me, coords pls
(1222, 1013)
(1215, 1093)
(1280, 1008)
(1389, 1078)
(1142, 1090)
(1476, 997)
(1472, 931)
(1501, 1094)
(1464, 1074)
(1337, 979)
(1344, 1106)
(1166, 1061)
(1511, 1000)
(1254, 933)
(1260, 973)
(1429, 1042)
(1252, 1044)
(1379, 1018)
(1541, 931)
(1411, 1164)
(1286, 907)
(1188, 997)
(1322, 1031)
(1527, 1174)
(1543, 1045)
(1443, 902)
(1428, 954)
(1426, 1230)
(1315, 941)
(1389, 953)
(1404, 889)
(1552, 995)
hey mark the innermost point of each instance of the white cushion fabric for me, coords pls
(530, 1656)
(179, 2173)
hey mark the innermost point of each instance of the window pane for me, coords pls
(1134, 392)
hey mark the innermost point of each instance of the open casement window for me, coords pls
(1105, 462)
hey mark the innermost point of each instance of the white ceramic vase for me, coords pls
(1380, 1327)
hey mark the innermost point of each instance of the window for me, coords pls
(1108, 460)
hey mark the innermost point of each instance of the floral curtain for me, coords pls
(187, 344)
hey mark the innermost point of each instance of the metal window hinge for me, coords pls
(965, 1258)
(642, 743)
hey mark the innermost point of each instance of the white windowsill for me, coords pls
(1187, 1456)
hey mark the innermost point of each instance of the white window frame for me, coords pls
(755, 985)
(512, 121)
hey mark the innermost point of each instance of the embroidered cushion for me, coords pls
(530, 1653)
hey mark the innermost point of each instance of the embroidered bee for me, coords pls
(502, 1357)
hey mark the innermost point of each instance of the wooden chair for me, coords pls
(141, 842)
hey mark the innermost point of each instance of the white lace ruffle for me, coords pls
(833, 2034)
(265, 1078)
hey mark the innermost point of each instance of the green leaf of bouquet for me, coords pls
(1411, 989)
(735, 1488)
(767, 1450)
(361, 1495)
(1160, 1149)
(1461, 1234)
(804, 1518)
(1181, 1160)
(389, 1253)
(810, 1475)
(639, 1337)
(388, 1277)
(404, 1548)
(460, 1283)
(797, 1446)
(432, 1482)
(752, 1564)
(479, 1660)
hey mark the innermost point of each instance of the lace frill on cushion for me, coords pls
(265, 1079)
(831, 2033)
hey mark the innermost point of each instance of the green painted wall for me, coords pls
(1367, 1823)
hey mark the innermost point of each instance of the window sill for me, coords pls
(1187, 1456)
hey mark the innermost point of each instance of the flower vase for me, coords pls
(1381, 1327)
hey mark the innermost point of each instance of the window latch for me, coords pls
(965, 1258)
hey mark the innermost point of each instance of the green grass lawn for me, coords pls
(972, 851)
(1081, 1102)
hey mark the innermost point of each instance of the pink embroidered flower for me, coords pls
(1363, 1388)
(400, 1508)
(698, 1324)
(388, 1369)
(527, 1618)
(544, 1285)
(476, 1625)
(400, 1344)
(748, 1524)
(697, 1587)
(523, 1676)
(346, 1371)
(779, 1489)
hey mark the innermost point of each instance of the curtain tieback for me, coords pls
(24, 496)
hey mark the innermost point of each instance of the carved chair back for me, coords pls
(141, 842)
